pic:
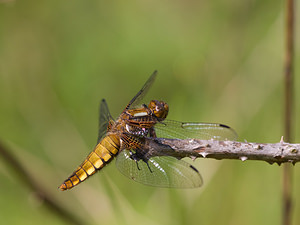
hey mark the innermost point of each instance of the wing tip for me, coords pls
(223, 125)
(231, 129)
(192, 167)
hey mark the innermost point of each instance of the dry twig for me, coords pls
(281, 152)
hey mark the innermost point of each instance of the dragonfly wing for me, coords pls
(104, 118)
(204, 131)
(162, 171)
(140, 95)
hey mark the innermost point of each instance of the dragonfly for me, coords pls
(125, 139)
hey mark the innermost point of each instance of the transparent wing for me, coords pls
(104, 118)
(163, 171)
(140, 95)
(204, 131)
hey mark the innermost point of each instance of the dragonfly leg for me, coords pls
(134, 157)
(137, 165)
(137, 156)
(149, 167)
(152, 132)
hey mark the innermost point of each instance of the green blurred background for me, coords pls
(218, 61)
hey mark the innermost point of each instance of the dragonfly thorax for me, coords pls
(135, 130)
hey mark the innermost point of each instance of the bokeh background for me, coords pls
(218, 61)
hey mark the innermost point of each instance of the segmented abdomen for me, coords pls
(104, 151)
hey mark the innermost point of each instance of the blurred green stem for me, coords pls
(288, 108)
(28, 180)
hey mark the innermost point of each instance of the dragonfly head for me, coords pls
(159, 108)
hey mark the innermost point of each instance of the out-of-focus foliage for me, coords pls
(218, 61)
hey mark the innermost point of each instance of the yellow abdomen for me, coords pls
(104, 151)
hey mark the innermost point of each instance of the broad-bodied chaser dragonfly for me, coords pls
(124, 139)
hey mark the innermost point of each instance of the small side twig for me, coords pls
(281, 152)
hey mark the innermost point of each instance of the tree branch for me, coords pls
(281, 152)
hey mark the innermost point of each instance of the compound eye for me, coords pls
(159, 109)
(153, 105)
